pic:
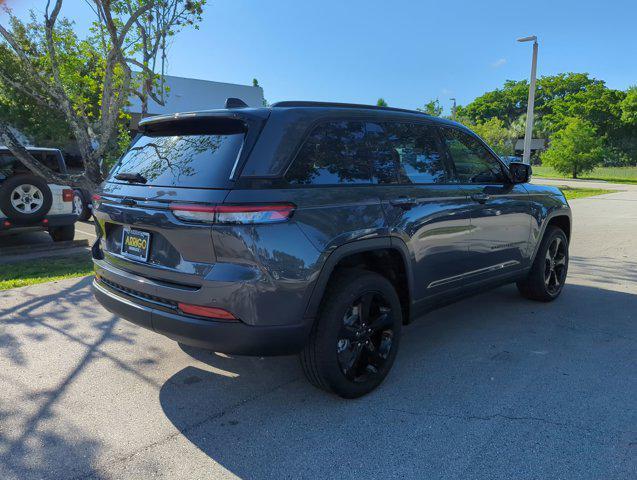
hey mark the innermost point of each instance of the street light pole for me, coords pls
(528, 134)
(453, 109)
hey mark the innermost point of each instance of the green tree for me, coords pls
(559, 98)
(575, 149)
(509, 102)
(381, 102)
(432, 107)
(629, 107)
(81, 85)
(498, 137)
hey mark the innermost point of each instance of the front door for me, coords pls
(500, 210)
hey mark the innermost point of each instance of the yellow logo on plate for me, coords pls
(136, 242)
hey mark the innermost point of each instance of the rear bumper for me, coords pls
(44, 223)
(221, 336)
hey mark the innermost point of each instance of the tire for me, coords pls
(62, 234)
(25, 198)
(547, 264)
(80, 205)
(338, 333)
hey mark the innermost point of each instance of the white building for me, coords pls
(191, 94)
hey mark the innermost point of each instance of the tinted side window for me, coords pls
(51, 161)
(334, 153)
(474, 163)
(410, 151)
(7, 165)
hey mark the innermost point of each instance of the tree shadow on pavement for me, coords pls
(37, 440)
(493, 386)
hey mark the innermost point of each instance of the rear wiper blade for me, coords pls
(131, 177)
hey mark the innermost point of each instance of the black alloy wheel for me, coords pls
(547, 277)
(356, 335)
(555, 266)
(366, 337)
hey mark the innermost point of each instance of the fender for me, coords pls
(358, 246)
(564, 211)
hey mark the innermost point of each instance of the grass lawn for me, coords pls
(30, 272)
(573, 193)
(608, 174)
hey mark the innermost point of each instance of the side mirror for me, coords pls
(520, 172)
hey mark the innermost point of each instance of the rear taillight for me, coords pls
(95, 197)
(234, 213)
(209, 312)
(67, 195)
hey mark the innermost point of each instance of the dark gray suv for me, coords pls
(318, 229)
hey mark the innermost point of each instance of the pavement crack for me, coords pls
(487, 418)
(102, 466)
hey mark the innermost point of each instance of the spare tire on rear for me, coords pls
(25, 198)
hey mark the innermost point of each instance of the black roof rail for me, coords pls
(293, 103)
(232, 102)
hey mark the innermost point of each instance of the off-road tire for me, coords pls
(7, 188)
(85, 212)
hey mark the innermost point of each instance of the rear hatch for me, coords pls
(177, 161)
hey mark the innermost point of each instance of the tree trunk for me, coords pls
(145, 92)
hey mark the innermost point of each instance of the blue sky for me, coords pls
(404, 51)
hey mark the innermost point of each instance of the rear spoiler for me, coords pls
(221, 121)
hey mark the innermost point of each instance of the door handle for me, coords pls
(403, 202)
(480, 197)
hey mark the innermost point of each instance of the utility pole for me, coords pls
(528, 134)
(453, 109)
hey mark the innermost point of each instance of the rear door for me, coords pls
(423, 206)
(172, 166)
(500, 210)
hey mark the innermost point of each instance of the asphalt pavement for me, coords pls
(83, 230)
(493, 387)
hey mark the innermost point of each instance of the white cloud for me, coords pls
(499, 62)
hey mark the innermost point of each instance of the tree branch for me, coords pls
(45, 102)
(78, 124)
(21, 153)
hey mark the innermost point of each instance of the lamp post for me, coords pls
(526, 157)
(453, 109)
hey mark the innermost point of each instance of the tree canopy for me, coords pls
(559, 99)
(432, 107)
(497, 136)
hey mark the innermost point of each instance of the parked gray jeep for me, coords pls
(317, 228)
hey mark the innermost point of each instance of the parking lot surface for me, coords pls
(83, 230)
(493, 387)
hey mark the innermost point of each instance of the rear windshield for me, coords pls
(189, 161)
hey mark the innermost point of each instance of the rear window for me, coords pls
(189, 161)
